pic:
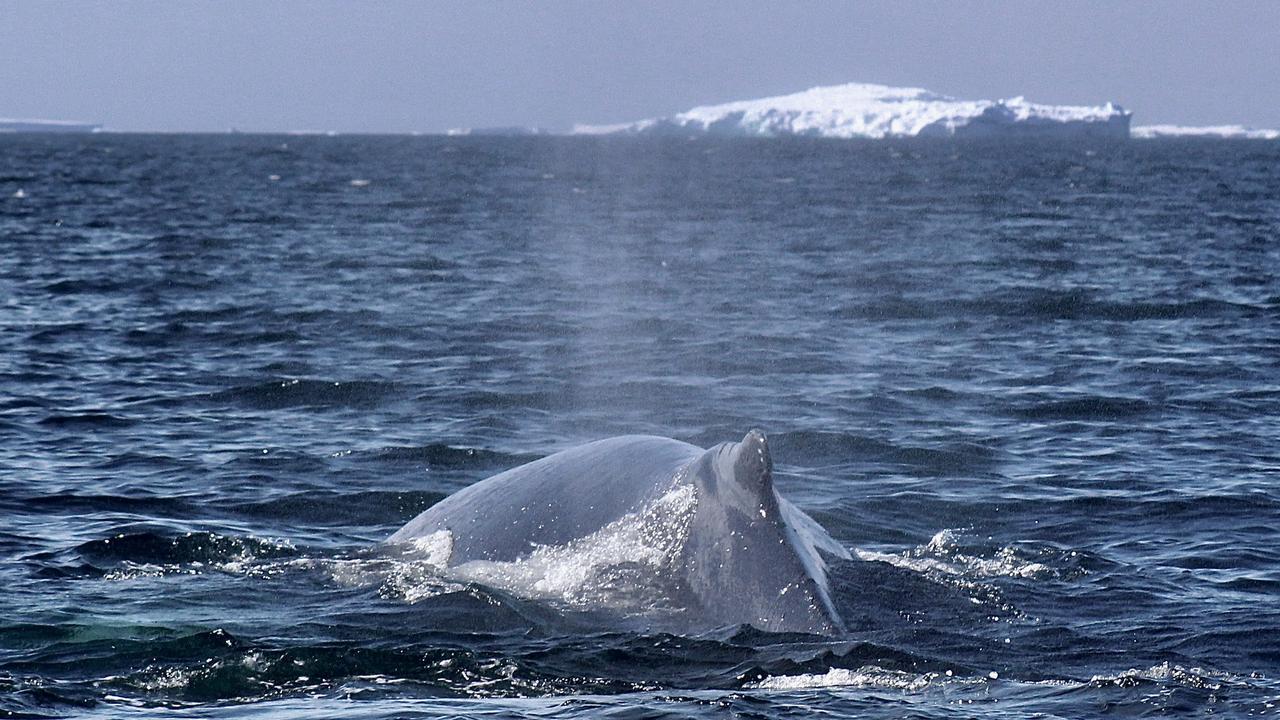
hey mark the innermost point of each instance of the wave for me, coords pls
(338, 509)
(86, 420)
(444, 456)
(219, 666)
(947, 555)
(424, 263)
(89, 285)
(153, 548)
(280, 394)
(53, 333)
(1090, 407)
(1166, 677)
(865, 677)
(1040, 304)
(443, 636)
(145, 505)
(809, 448)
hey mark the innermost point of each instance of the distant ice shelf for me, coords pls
(16, 125)
(1227, 132)
(861, 110)
(508, 131)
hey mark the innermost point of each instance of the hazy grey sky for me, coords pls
(428, 66)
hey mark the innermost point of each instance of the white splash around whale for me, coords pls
(863, 110)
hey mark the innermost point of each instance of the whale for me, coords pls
(682, 538)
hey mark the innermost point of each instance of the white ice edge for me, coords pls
(1226, 132)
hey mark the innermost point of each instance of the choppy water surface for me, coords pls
(1034, 388)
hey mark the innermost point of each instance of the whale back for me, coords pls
(555, 500)
(657, 529)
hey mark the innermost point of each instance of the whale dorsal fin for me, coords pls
(752, 464)
(740, 474)
(754, 557)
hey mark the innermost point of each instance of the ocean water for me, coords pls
(1033, 387)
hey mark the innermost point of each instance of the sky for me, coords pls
(393, 66)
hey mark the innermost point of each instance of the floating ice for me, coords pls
(34, 125)
(1224, 132)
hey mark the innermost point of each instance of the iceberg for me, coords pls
(504, 131)
(862, 110)
(15, 125)
(1222, 132)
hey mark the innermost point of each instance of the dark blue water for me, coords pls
(1034, 388)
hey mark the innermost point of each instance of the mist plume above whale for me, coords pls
(688, 539)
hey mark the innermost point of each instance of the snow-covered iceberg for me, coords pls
(1226, 132)
(860, 110)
